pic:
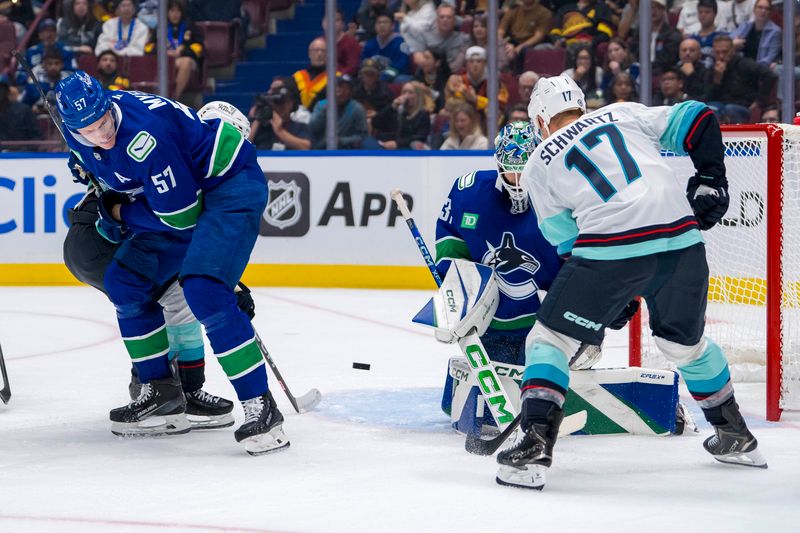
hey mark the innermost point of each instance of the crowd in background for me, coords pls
(412, 74)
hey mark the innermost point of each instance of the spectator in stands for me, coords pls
(348, 51)
(587, 75)
(518, 113)
(445, 35)
(371, 91)
(471, 86)
(351, 119)
(738, 84)
(622, 89)
(107, 73)
(697, 82)
(222, 11)
(51, 73)
(367, 15)
(312, 80)
(47, 38)
(618, 59)
(527, 81)
(770, 115)
(479, 36)
(17, 122)
(273, 124)
(734, 13)
(665, 39)
(124, 34)
(407, 123)
(433, 71)
(706, 15)
(184, 43)
(388, 49)
(671, 87)
(465, 130)
(523, 26)
(585, 21)
(78, 29)
(760, 39)
(468, 8)
(416, 18)
(18, 13)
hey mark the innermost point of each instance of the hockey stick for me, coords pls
(301, 404)
(497, 397)
(5, 392)
(50, 111)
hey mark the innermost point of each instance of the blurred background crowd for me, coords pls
(411, 74)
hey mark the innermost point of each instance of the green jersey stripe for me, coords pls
(227, 144)
(451, 248)
(241, 359)
(520, 322)
(147, 346)
(185, 218)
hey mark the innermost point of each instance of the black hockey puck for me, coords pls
(361, 366)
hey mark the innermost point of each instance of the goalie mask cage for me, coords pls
(754, 265)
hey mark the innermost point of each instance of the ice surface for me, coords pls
(377, 455)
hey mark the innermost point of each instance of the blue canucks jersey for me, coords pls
(164, 157)
(476, 224)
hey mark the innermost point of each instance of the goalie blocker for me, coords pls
(633, 400)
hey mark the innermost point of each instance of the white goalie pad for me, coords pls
(467, 299)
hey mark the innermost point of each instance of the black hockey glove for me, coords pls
(79, 174)
(625, 315)
(111, 230)
(709, 199)
(245, 301)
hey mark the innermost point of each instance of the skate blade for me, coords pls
(153, 427)
(752, 458)
(273, 441)
(211, 422)
(527, 477)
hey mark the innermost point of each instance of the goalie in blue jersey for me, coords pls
(180, 195)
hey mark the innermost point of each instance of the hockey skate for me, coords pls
(206, 411)
(525, 464)
(732, 442)
(159, 410)
(262, 431)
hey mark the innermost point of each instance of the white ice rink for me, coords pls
(377, 455)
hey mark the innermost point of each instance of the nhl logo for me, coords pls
(283, 204)
(287, 210)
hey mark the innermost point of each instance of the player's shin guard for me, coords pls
(230, 333)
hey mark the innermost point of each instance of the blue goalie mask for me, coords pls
(81, 100)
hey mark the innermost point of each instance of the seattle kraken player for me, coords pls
(182, 193)
(486, 219)
(87, 255)
(600, 186)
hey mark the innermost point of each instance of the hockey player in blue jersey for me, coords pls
(599, 186)
(187, 195)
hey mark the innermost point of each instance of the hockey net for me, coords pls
(754, 262)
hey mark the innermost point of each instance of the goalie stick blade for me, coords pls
(477, 446)
(5, 392)
(308, 401)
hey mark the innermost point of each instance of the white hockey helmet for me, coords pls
(227, 113)
(552, 96)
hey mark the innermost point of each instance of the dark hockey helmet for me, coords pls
(81, 100)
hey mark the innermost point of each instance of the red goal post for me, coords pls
(754, 285)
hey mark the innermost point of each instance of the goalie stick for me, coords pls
(5, 392)
(301, 404)
(498, 400)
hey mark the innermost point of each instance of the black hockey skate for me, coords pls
(262, 431)
(732, 442)
(159, 410)
(206, 411)
(524, 464)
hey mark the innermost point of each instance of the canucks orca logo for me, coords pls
(510, 263)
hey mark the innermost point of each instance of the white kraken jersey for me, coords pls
(601, 188)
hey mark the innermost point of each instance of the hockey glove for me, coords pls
(109, 228)
(245, 301)
(709, 199)
(79, 174)
(625, 315)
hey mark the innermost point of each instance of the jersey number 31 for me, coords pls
(577, 159)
